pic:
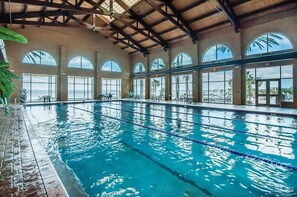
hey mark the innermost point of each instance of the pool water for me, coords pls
(141, 149)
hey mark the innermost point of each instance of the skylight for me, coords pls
(117, 8)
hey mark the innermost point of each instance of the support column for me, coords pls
(168, 87)
(62, 76)
(197, 83)
(236, 83)
(97, 79)
(147, 78)
(294, 84)
(147, 87)
(195, 88)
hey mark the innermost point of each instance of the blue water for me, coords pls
(140, 149)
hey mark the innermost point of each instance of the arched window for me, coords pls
(216, 53)
(182, 59)
(139, 67)
(158, 64)
(80, 62)
(111, 66)
(39, 57)
(269, 42)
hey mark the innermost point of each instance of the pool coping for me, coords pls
(231, 107)
(52, 181)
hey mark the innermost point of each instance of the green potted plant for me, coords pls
(6, 76)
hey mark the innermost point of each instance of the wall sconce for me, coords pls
(214, 69)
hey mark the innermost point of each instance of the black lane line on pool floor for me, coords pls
(204, 125)
(174, 173)
(289, 167)
(215, 117)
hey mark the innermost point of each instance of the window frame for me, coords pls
(208, 82)
(267, 53)
(181, 64)
(190, 83)
(81, 64)
(86, 85)
(40, 59)
(162, 85)
(216, 54)
(137, 65)
(118, 85)
(49, 84)
(111, 68)
(157, 65)
(137, 86)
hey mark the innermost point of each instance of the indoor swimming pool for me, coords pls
(143, 149)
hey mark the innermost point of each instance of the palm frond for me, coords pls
(7, 34)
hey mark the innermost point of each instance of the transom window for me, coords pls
(216, 53)
(112, 86)
(182, 59)
(80, 88)
(80, 62)
(139, 67)
(111, 66)
(158, 64)
(217, 87)
(39, 57)
(40, 87)
(269, 42)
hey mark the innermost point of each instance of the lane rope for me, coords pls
(213, 126)
(289, 167)
(215, 117)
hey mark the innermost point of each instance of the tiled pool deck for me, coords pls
(25, 169)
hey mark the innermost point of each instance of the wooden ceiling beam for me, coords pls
(143, 50)
(37, 14)
(193, 5)
(77, 5)
(180, 18)
(277, 5)
(228, 9)
(147, 27)
(3, 8)
(42, 17)
(36, 23)
(56, 5)
(25, 12)
(94, 7)
(171, 19)
(239, 2)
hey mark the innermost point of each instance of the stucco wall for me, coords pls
(64, 44)
(238, 43)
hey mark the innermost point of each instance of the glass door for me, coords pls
(268, 92)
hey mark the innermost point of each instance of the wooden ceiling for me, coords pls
(138, 26)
